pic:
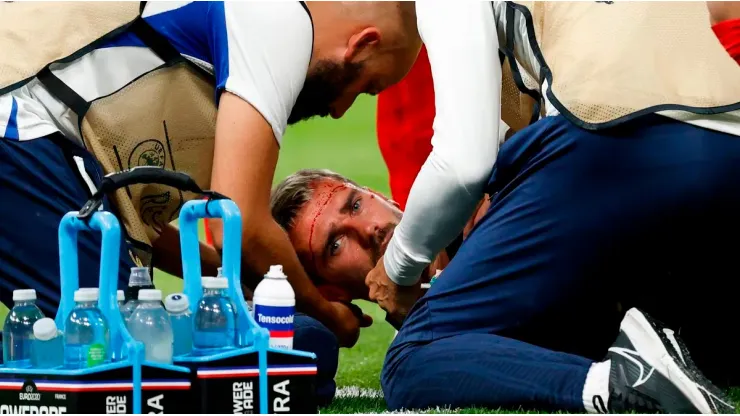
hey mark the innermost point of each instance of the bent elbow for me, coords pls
(475, 177)
(473, 173)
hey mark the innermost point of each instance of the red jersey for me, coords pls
(728, 33)
(404, 125)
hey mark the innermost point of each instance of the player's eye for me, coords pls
(335, 246)
(356, 206)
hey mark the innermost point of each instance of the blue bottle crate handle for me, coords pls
(228, 211)
(121, 339)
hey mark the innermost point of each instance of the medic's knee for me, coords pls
(312, 336)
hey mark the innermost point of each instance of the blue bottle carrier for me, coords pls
(251, 378)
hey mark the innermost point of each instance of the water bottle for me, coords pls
(178, 307)
(150, 325)
(47, 350)
(87, 335)
(18, 329)
(274, 307)
(121, 298)
(138, 280)
(215, 318)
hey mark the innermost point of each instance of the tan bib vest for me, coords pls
(608, 62)
(166, 118)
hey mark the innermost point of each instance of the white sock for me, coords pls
(596, 387)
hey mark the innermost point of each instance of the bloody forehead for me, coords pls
(324, 193)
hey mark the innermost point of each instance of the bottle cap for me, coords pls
(216, 283)
(176, 302)
(204, 280)
(45, 329)
(86, 294)
(21, 295)
(139, 277)
(276, 272)
(150, 294)
(120, 296)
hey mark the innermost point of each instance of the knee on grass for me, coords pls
(312, 336)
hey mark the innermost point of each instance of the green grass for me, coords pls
(347, 146)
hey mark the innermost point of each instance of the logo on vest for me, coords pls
(156, 207)
(147, 153)
(154, 210)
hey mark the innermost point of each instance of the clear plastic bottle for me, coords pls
(274, 307)
(138, 280)
(215, 318)
(178, 307)
(18, 329)
(87, 334)
(47, 350)
(150, 324)
(121, 298)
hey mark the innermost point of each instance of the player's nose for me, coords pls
(366, 229)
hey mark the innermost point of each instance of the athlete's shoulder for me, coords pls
(275, 13)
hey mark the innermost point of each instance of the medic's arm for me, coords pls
(167, 255)
(245, 157)
(260, 66)
(462, 42)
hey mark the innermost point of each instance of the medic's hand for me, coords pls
(394, 299)
(347, 323)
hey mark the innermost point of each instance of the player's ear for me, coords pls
(361, 43)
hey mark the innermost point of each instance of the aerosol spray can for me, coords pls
(274, 307)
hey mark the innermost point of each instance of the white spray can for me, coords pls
(274, 307)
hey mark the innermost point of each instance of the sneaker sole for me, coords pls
(646, 338)
(681, 355)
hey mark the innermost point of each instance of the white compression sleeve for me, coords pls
(462, 45)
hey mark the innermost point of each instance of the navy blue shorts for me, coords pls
(40, 181)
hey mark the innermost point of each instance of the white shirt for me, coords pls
(462, 40)
(259, 51)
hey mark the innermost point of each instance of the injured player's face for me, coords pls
(340, 233)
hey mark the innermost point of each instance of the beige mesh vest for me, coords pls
(166, 118)
(608, 62)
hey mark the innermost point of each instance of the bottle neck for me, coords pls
(149, 303)
(214, 292)
(25, 303)
(179, 313)
(87, 304)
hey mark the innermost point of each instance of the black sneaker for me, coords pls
(651, 371)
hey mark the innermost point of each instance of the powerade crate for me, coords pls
(101, 391)
(116, 387)
(254, 378)
(251, 378)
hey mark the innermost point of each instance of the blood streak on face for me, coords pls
(322, 205)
